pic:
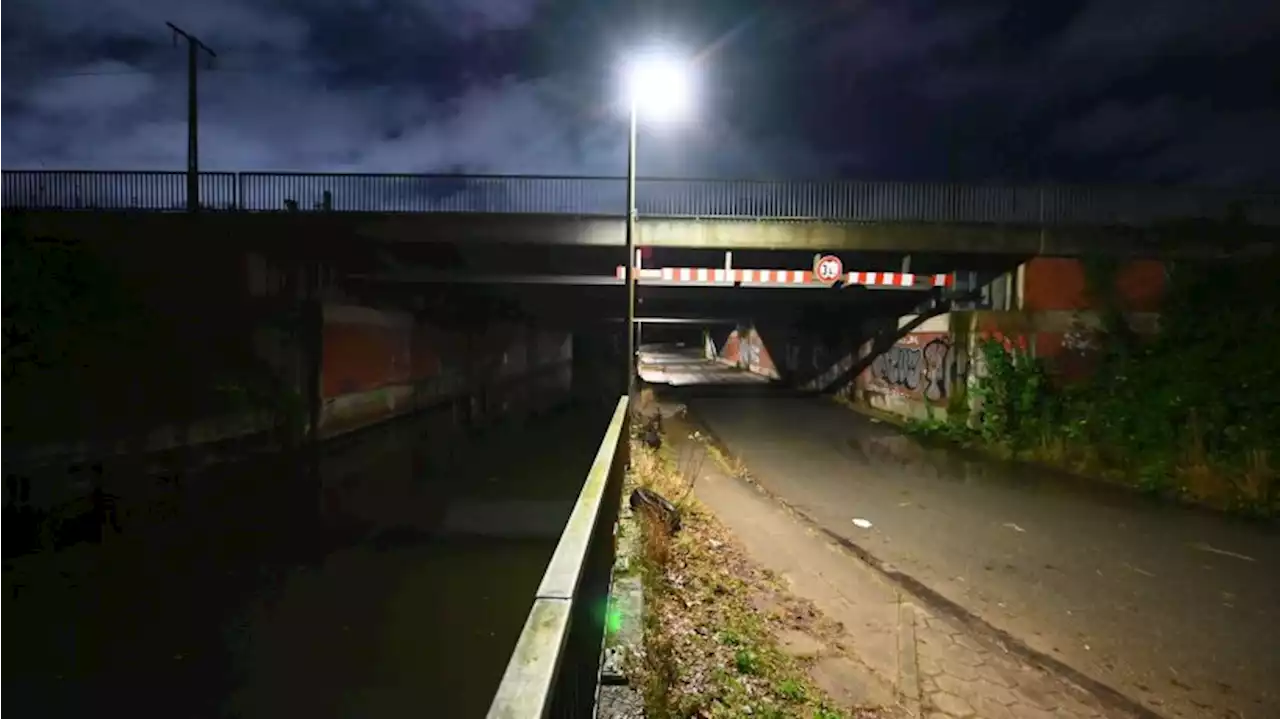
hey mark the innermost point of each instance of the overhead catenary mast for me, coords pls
(194, 46)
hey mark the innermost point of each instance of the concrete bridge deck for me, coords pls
(1193, 238)
(706, 214)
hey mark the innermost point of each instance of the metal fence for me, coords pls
(835, 200)
(555, 668)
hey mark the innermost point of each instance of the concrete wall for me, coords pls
(1054, 318)
(232, 303)
(918, 376)
(379, 364)
(746, 349)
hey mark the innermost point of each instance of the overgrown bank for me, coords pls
(1193, 412)
(712, 616)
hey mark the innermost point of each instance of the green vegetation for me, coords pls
(1192, 413)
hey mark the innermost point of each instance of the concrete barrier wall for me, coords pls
(746, 349)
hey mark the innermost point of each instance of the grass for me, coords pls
(712, 616)
(1250, 490)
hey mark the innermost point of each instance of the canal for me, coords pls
(394, 585)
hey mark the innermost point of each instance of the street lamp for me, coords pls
(658, 85)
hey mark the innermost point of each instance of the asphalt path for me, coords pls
(1176, 608)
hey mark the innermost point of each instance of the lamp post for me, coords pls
(633, 359)
(656, 85)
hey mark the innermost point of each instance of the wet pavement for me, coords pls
(1175, 608)
(396, 588)
(681, 367)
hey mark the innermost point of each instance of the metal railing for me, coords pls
(555, 668)
(834, 200)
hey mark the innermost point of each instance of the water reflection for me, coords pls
(390, 577)
(904, 452)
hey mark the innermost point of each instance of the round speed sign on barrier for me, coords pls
(828, 268)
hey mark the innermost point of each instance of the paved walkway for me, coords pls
(1173, 608)
(893, 650)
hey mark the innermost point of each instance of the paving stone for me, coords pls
(953, 685)
(988, 708)
(951, 704)
(1026, 711)
(953, 666)
(848, 683)
(995, 674)
(1011, 673)
(957, 654)
(1039, 695)
(928, 664)
(994, 692)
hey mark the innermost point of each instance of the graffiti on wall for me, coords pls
(925, 365)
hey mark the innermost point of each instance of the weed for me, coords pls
(1182, 414)
(791, 690)
(708, 649)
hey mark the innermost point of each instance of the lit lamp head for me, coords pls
(659, 87)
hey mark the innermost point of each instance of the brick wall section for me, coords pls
(746, 349)
(1057, 300)
(382, 363)
(1055, 283)
(365, 349)
(925, 370)
(730, 350)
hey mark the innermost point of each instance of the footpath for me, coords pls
(890, 649)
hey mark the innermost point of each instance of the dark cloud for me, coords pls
(379, 85)
(1177, 90)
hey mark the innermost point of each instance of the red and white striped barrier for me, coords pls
(782, 277)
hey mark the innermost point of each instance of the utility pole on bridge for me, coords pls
(194, 46)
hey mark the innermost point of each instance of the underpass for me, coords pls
(1163, 604)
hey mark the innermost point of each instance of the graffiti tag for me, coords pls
(929, 370)
(898, 367)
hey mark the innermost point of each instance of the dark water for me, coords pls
(395, 585)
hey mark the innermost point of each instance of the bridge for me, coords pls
(719, 214)
(216, 257)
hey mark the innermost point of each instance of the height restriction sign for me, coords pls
(828, 268)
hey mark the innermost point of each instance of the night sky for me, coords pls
(1102, 90)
